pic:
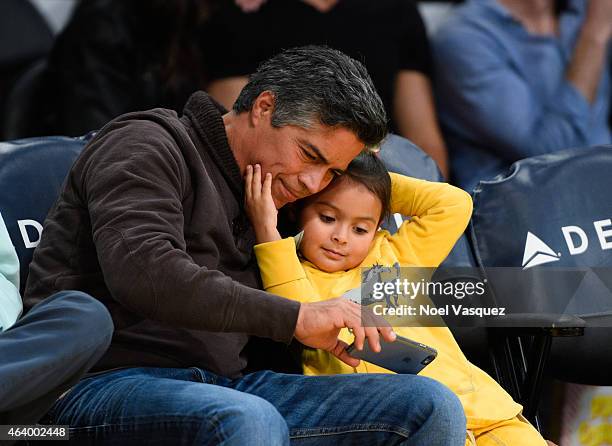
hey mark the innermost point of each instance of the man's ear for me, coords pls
(263, 108)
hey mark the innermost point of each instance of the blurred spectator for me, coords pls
(518, 78)
(25, 37)
(388, 36)
(117, 56)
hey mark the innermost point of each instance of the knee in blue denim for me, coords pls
(258, 422)
(428, 402)
(446, 409)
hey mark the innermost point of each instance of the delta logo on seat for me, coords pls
(537, 252)
(27, 241)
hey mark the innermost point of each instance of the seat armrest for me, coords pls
(557, 325)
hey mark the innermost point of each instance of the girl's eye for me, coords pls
(360, 231)
(326, 218)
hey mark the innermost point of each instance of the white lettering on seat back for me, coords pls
(603, 235)
(537, 252)
(584, 241)
(24, 233)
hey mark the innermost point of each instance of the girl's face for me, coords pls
(339, 225)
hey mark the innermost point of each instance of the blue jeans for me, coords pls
(47, 351)
(174, 406)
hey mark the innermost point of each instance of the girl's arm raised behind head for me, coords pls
(439, 214)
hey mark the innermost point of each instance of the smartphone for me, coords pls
(401, 356)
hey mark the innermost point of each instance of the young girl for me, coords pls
(340, 236)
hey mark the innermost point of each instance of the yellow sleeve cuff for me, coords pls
(278, 262)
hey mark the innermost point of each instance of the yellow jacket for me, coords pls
(439, 214)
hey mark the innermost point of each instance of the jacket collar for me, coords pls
(206, 119)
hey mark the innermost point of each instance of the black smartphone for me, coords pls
(401, 356)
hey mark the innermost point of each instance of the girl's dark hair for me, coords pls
(368, 170)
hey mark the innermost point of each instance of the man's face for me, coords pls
(302, 161)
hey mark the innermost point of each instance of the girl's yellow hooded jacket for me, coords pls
(439, 214)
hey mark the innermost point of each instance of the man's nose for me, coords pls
(315, 180)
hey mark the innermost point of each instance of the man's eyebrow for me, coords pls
(327, 203)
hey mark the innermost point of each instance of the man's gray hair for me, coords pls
(317, 84)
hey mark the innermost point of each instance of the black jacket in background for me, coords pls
(113, 58)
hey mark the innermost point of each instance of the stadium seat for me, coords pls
(548, 219)
(504, 211)
(32, 172)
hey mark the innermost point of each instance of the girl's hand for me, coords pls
(259, 205)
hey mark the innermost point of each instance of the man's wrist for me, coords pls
(300, 320)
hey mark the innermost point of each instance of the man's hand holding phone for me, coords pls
(319, 324)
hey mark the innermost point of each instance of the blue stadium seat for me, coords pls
(32, 172)
(548, 218)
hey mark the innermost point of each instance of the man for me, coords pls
(47, 351)
(520, 78)
(151, 221)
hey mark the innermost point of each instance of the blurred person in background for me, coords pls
(118, 56)
(519, 78)
(388, 36)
